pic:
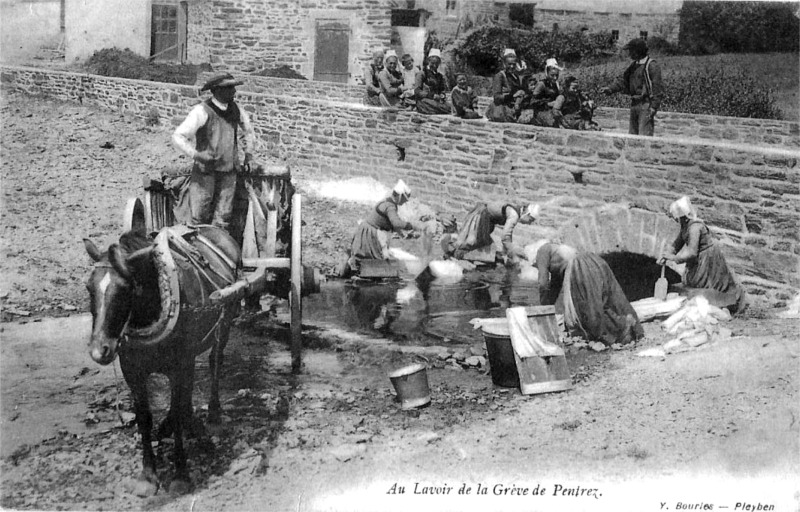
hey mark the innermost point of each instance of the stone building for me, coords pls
(625, 19)
(328, 40)
(26, 26)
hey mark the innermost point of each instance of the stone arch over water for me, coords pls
(630, 240)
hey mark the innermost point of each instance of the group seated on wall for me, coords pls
(517, 95)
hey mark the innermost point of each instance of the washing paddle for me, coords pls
(660, 291)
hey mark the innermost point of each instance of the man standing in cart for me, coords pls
(209, 136)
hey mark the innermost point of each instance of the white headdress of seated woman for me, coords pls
(552, 64)
(401, 189)
(682, 208)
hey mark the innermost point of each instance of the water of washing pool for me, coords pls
(422, 310)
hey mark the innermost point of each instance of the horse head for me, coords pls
(114, 286)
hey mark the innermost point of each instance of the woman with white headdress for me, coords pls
(582, 286)
(545, 96)
(479, 224)
(507, 91)
(430, 87)
(391, 81)
(371, 238)
(371, 72)
(706, 267)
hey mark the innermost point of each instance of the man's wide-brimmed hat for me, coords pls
(435, 52)
(225, 80)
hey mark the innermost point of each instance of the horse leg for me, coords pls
(178, 407)
(147, 483)
(215, 360)
(167, 426)
(181, 408)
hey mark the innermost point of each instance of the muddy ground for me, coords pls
(716, 425)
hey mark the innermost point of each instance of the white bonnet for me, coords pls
(533, 210)
(681, 208)
(552, 63)
(401, 189)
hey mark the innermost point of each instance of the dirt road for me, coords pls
(717, 425)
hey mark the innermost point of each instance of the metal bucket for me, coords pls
(411, 385)
(502, 362)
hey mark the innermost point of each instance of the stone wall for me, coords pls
(735, 130)
(249, 35)
(748, 194)
(629, 25)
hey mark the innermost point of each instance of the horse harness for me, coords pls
(170, 244)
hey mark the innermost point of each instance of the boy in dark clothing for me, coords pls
(642, 82)
(464, 99)
(573, 110)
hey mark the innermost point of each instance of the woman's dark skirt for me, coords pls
(595, 307)
(710, 271)
(476, 231)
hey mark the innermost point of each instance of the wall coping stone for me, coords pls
(356, 92)
(638, 140)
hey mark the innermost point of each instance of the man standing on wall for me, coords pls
(642, 81)
(214, 126)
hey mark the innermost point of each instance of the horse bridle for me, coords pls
(137, 291)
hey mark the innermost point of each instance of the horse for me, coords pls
(150, 305)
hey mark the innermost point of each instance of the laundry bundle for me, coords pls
(696, 323)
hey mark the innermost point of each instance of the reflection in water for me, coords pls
(423, 310)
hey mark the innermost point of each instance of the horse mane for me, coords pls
(133, 240)
(147, 309)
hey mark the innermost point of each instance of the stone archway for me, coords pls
(630, 240)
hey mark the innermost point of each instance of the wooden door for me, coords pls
(168, 31)
(332, 51)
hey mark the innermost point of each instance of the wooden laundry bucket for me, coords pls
(502, 363)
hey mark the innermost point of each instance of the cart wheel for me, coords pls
(133, 217)
(295, 301)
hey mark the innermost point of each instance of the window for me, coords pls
(614, 36)
(555, 27)
(643, 34)
(168, 32)
(450, 7)
(405, 18)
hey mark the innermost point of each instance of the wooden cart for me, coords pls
(268, 225)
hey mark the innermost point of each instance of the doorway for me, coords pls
(332, 51)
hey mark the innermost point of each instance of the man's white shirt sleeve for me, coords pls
(248, 131)
(184, 134)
